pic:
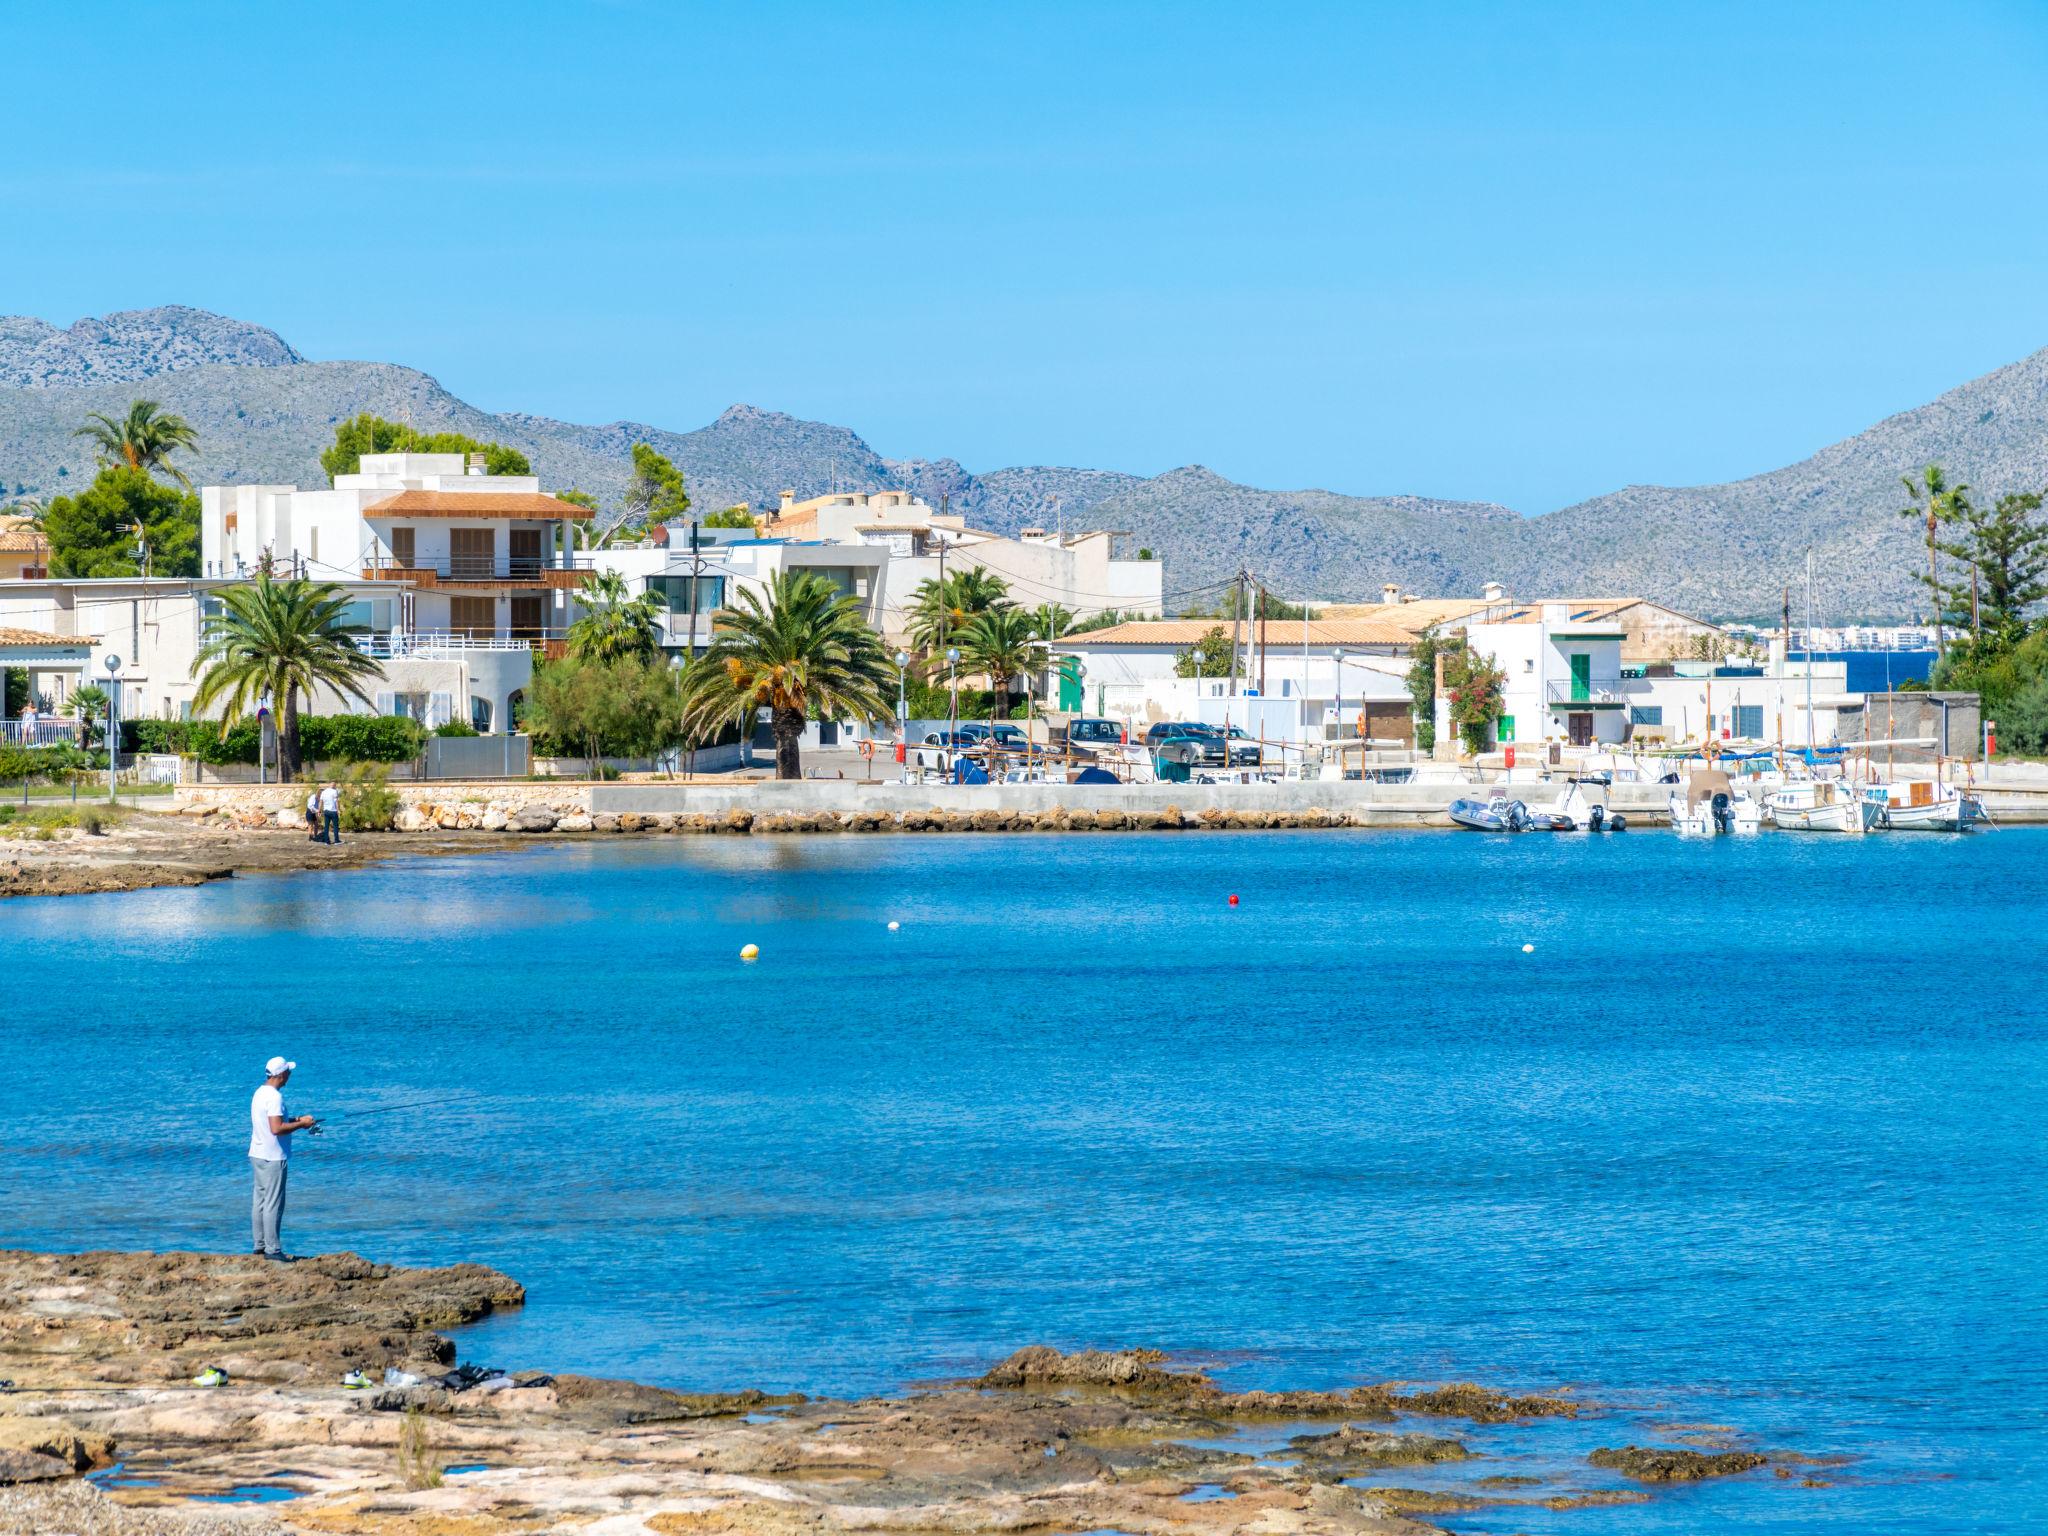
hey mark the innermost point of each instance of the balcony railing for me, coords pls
(39, 733)
(444, 642)
(1587, 690)
(467, 568)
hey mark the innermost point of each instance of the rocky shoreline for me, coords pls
(101, 1349)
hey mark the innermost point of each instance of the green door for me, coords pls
(1582, 677)
(1071, 698)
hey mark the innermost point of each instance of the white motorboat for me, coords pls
(1584, 805)
(1819, 805)
(1923, 805)
(1708, 804)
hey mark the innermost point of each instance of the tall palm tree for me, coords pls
(804, 652)
(1049, 621)
(940, 611)
(615, 625)
(1002, 643)
(280, 639)
(144, 439)
(1938, 502)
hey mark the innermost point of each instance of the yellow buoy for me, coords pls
(750, 952)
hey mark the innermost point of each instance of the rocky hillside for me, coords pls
(129, 345)
(263, 413)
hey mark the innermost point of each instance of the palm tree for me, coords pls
(1002, 643)
(940, 611)
(805, 652)
(1049, 621)
(277, 639)
(1938, 502)
(615, 625)
(144, 439)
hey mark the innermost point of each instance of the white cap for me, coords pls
(278, 1064)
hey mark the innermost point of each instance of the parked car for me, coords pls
(1008, 738)
(1239, 752)
(1088, 736)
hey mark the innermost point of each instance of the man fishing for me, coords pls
(270, 1134)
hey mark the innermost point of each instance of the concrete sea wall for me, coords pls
(833, 805)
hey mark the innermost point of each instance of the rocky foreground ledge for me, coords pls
(101, 1349)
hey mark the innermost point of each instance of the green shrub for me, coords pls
(46, 763)
(457, 728)
(368, 802)
(322, 739)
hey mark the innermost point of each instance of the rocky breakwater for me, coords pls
(103, 1348)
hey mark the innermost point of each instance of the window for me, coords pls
(401, 546)
(1646, 714)
(1504, 728)
(1749, 721)
(676, 589)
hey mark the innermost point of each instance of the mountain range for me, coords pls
(263, 412)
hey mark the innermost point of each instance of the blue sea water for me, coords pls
(1754, 1136)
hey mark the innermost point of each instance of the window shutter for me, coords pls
(387, 703)
(441, 711)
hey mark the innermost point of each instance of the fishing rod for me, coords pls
(391, 1109)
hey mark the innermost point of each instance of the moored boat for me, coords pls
(1709, 805)
(1923, 805)
(1819, 805)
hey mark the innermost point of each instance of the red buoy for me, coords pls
(1233, 898)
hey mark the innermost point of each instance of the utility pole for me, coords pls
(1236, 626)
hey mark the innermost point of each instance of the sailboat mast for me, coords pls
(1809, 655)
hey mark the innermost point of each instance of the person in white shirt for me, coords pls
(313, 814)
(330, 813)
(270, 1135)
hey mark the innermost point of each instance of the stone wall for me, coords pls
(843, 805)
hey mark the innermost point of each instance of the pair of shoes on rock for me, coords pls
(280, 1258)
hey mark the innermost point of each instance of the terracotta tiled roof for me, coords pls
(1413, 617)
(1278, 633)
(35, 637)
(22, 540)
(475, 504)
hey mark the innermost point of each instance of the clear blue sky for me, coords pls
(1518, 252)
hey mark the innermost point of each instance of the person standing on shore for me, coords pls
(314, 831)
(270, 1133)
(330, 813)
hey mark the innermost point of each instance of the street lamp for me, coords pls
(953, 692)
(113, 665)
(902, 715)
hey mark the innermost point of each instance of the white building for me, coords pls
(1566, 681)
(465, 573)
(1314, 681)
(1079, 571)
(67, 631)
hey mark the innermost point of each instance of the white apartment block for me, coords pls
(449, 566)
(1079, 571)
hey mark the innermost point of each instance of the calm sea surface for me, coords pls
(1755, 1135)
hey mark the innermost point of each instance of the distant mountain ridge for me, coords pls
(263, 413)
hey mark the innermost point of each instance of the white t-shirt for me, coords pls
(330, 799)
(263, 1141)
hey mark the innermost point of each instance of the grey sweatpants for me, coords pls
(266, 1209)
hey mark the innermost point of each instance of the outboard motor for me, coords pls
(1596, 819)
(1518, 816)
(1724, 813)
(1617, 823)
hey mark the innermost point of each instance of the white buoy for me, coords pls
(750, 952)
(894, 925)
(1528, 949)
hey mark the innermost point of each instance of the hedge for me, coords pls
(19, 763)
(322, 739)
